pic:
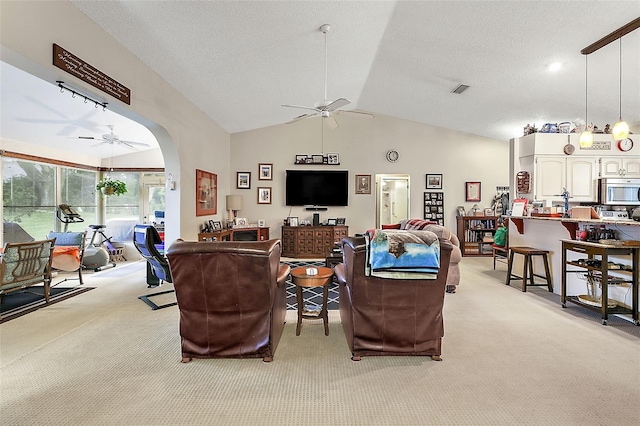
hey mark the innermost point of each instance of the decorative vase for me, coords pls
(108, 190)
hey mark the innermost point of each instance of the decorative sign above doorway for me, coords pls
(75, 66)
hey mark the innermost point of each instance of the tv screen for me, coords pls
(317, 188)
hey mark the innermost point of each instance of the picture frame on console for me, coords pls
(264, 195)
(243, 180)
(265, 171)
(341, 221)
(332, 222)
(292, 221)
(301, 159)
(333, 158)
(261, 223)
(217, 225)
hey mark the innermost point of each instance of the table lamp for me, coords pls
(234, 203)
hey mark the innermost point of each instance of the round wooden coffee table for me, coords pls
(322, 279)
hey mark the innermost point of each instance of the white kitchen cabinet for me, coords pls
(577, 174)
(620, 167)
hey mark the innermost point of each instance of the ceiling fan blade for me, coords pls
(331, 122)
(301, 117)
(91, 138)
(134, 143)
(303, 107)
(360, 114)
(127, 143)
(338, 103)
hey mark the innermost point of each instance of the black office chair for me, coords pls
(148, 242)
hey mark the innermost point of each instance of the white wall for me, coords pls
(362, 145)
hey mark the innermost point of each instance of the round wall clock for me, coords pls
(393, 156)
(625, 144)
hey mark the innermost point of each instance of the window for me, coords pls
(78, 191)
(28, 196)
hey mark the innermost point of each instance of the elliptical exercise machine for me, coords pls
(96, 256)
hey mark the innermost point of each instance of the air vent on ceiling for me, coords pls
(461, 88)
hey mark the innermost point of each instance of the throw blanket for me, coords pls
(401, 254)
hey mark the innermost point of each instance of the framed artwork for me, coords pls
(434, 207)
(292, 221)
(317, 159)
(241, 221)
(262, 223)
(341, 221)
(333, 158)
(332, 222)
(363, 184)
(434, 181)
(473, 191)
(243, 180)
(217, 225)
(264, 195)
(265, 171)
(206, 193)
(301, 159)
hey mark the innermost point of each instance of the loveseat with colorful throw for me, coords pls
(453, 278)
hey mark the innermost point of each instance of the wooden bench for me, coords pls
(25, 264)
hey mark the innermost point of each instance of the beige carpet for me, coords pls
(104, 358)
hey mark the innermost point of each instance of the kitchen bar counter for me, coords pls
(547, 233)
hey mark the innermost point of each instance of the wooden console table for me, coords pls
(236, 234)
(311, 241)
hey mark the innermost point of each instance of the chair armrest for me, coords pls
(283, 274)
(340, 273)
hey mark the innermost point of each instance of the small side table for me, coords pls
(322, 279)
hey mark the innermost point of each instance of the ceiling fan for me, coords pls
(326, 108)
(112, 139)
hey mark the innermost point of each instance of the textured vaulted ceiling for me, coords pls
(239, 61)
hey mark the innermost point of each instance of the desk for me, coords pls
(322, 279)
(597, 262)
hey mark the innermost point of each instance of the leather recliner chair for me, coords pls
(383, 316)
(231, 297)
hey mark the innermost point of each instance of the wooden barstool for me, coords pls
(527, 270)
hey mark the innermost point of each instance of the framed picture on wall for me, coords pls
(206, 193)
(265, 171)
(243, 180)
(363, 184)
(264, 195)
(434, 181)
(473, 191)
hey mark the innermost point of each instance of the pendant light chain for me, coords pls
(586, 92)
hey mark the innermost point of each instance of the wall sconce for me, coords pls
(170, 183)
(586, 137)
(621, 128)
(234, 203)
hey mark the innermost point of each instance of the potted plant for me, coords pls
(110, 186)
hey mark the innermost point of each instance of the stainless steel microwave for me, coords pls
(621, 192)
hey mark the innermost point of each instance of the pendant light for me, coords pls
(621, 128)
(586, 137)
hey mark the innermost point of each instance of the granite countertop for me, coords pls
(629, 222)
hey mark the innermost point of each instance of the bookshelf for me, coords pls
(476, 234)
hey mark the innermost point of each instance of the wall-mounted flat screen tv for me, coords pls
(317, 188)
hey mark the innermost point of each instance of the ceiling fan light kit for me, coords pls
(326, 108)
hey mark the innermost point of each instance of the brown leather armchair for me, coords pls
(231, 297)
(382, 316)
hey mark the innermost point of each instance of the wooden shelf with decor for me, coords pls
(476, 234)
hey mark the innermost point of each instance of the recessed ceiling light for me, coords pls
(555, 66)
